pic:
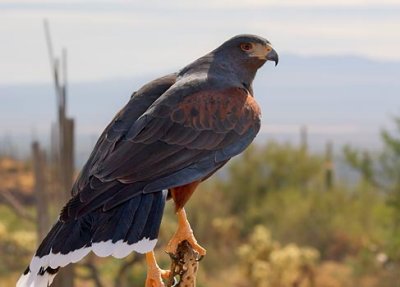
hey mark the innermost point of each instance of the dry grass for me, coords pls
(15, 175)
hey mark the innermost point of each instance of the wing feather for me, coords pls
(116, 130)
(179, 138)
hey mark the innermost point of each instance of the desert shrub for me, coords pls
(267, 263)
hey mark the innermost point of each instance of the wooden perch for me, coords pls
(184, 266)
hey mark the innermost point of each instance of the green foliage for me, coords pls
(264, 170)
(384, 174)
(337, 223)
(269, 264)
(360, 161)
(14, 244)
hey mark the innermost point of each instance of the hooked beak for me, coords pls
(273, 56)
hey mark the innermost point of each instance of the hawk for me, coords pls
(175, 132)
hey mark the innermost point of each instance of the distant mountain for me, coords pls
(345, 99)
(342, 98)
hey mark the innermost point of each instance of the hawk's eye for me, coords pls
(246, 46)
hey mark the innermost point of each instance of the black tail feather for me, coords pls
(130, 226)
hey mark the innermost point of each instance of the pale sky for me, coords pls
(111, 39)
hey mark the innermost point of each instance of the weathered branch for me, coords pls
(184, 266)
(40, 191)
(15, 205)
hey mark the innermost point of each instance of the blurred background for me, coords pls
(314, 202)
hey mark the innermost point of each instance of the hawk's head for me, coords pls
(249, 50)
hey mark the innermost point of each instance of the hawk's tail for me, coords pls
(131, 226)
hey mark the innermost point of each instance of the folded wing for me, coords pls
(180, 138)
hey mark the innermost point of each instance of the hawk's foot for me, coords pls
(184, 232)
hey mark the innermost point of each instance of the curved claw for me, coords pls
(173, 256)
(200, 258)
(199, 249)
